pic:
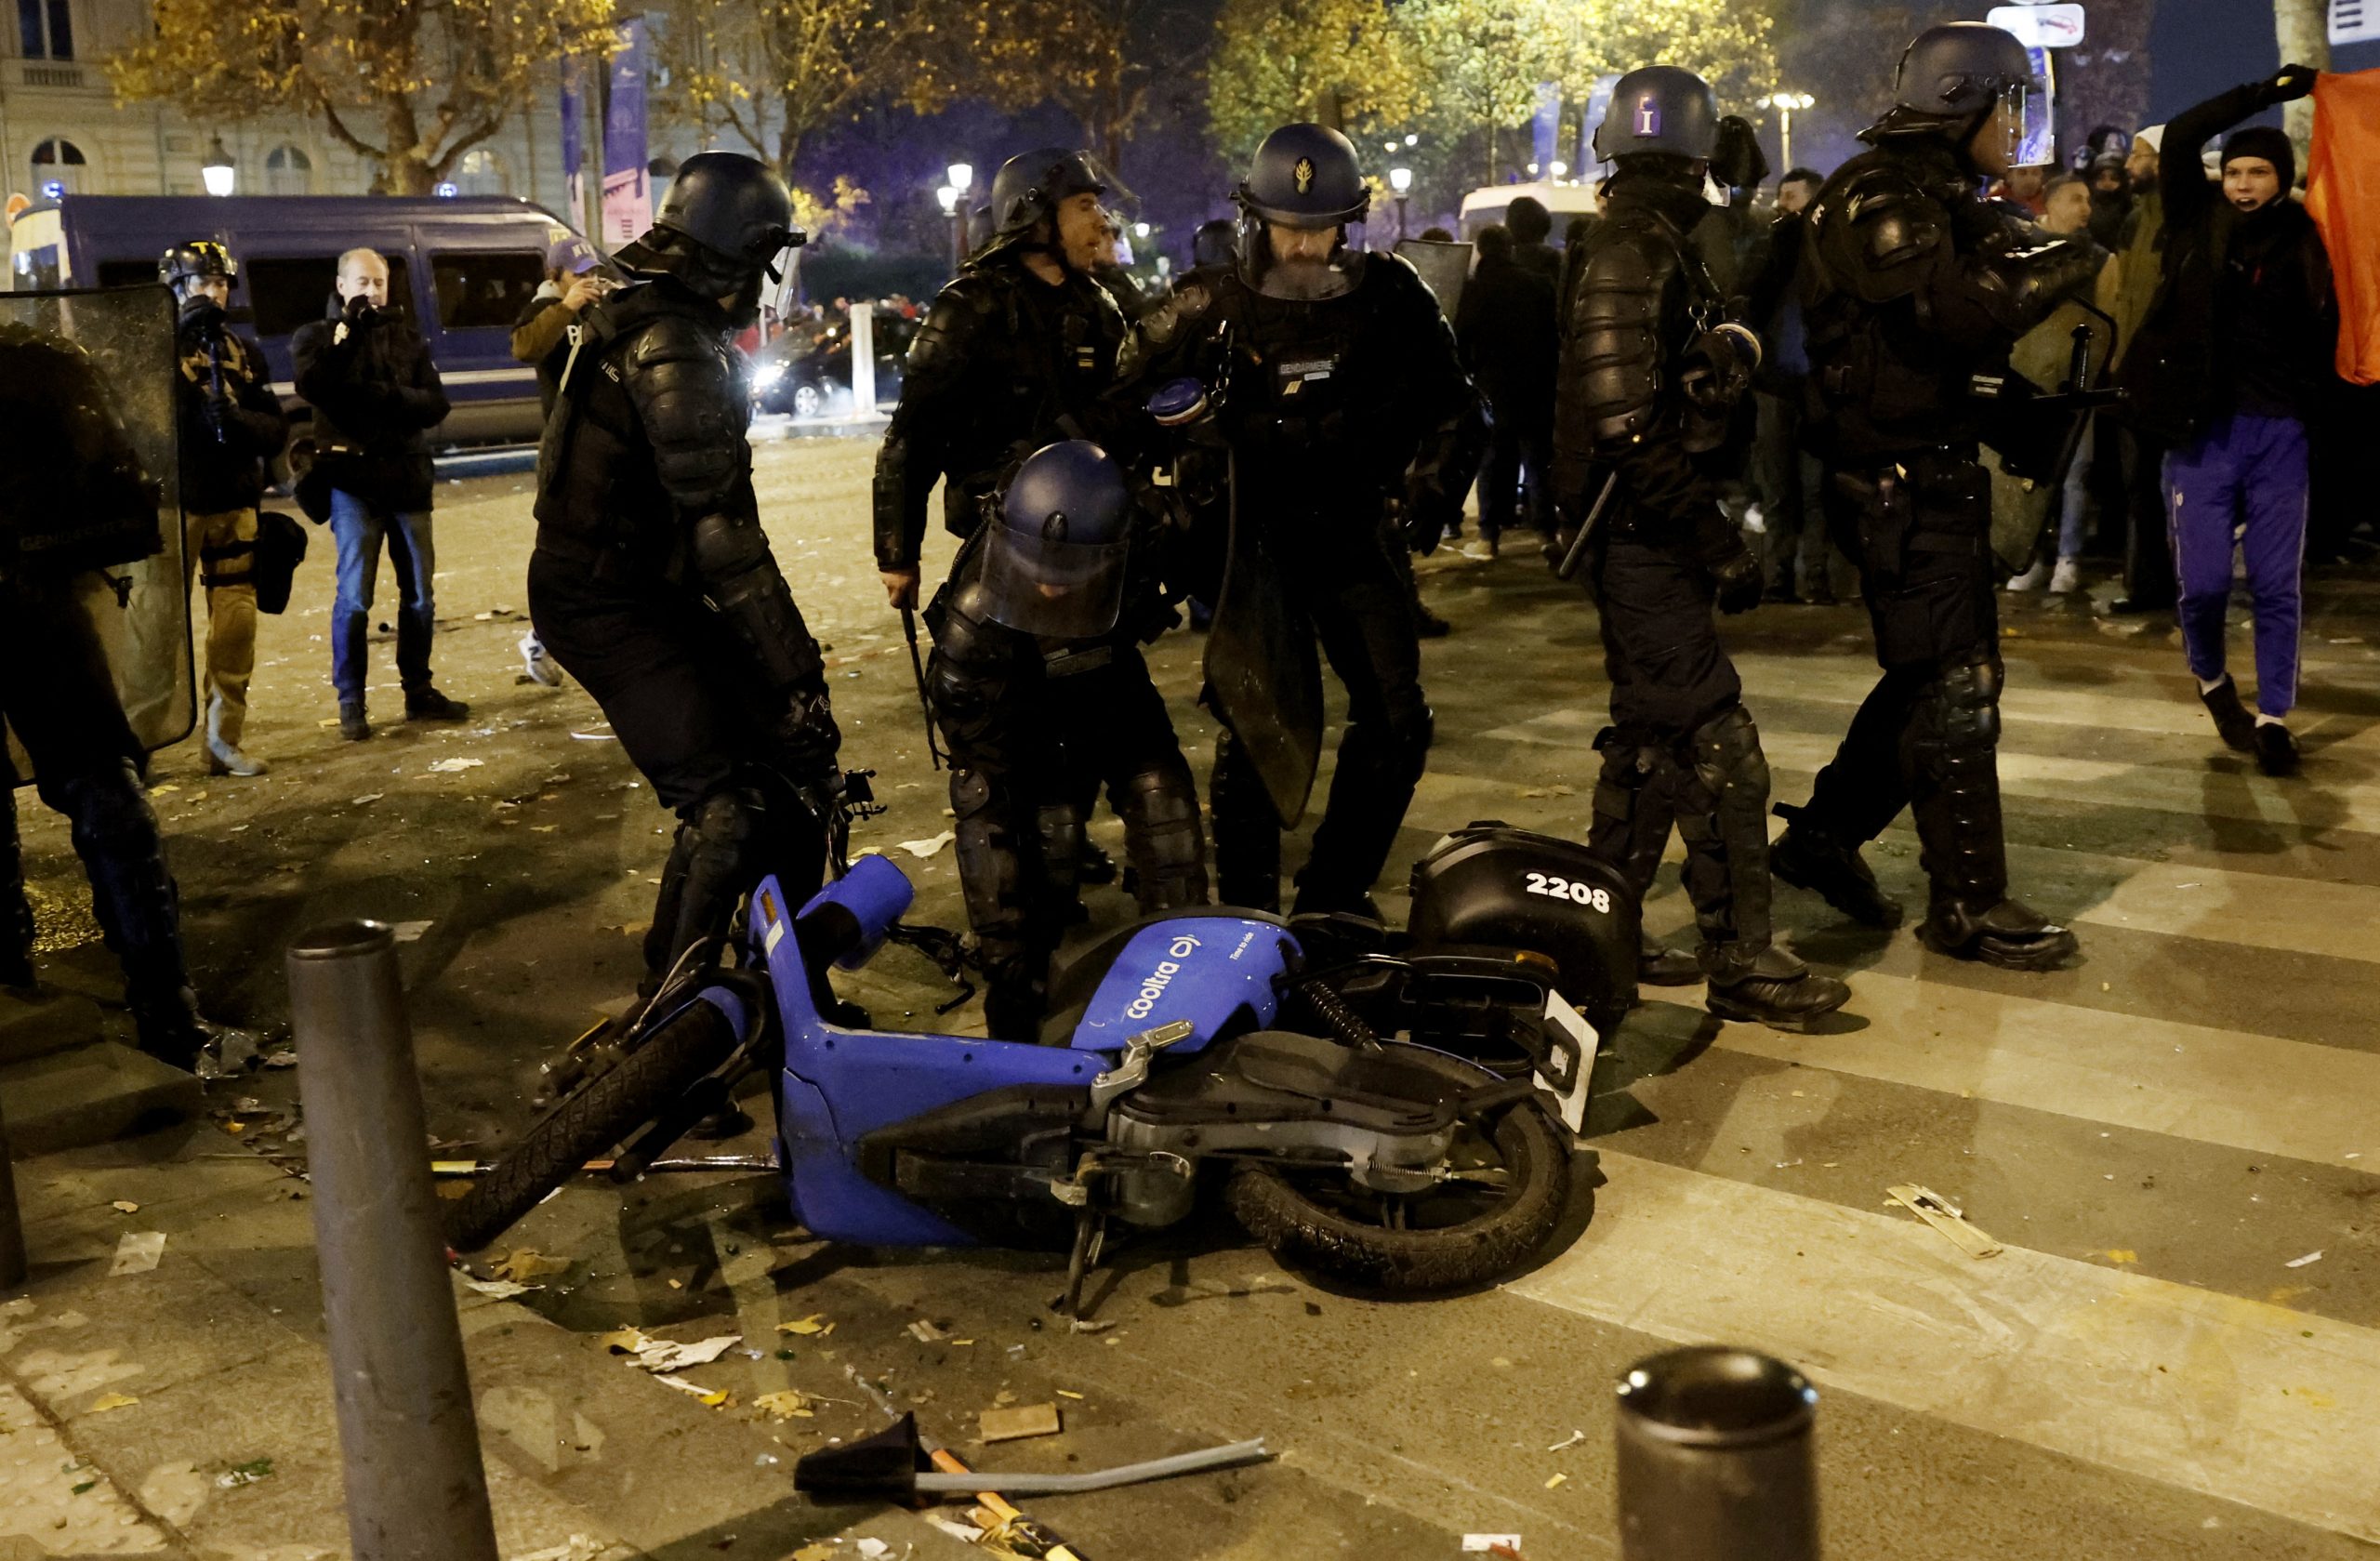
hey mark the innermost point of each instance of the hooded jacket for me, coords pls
(2244, 318)
(376, 397)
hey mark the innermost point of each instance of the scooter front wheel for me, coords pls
(1475, 1227)
(591, 1118)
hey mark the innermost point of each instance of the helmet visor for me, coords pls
(1053, 590)
(2025, 109)
(1305, 277)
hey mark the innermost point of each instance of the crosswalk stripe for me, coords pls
(2236, 1399)
(2261, 1093)
(2114, 783)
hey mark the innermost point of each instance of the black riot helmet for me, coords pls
(1305, 176)
(735, 209)
(1054, 564)
(1029, 189)
(1215, 244)
(197, 258)
(1659, 108)
(1952, 76)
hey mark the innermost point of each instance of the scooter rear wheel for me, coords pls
(591, 1118)
(1322, 1222)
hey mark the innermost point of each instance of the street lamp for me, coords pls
(1401, 181)
(954, 209)
(963, 177)
(1558, 169)
(1785, 103)
(222, 176)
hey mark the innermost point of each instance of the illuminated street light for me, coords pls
(1400, 181)
(1558, 169)
(1140, 230)
(1412, 139)
(1785, 103)
(949, 196)
(963, 177)
(222, 176)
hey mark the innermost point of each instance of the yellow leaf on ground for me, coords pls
(815, 1324)
(107, 1401)
(625, 1341)
(2122, 1254)
(792, 1404)
(524, 1266)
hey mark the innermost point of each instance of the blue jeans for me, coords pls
(2246, 477)
(359, 528)
(2075, 501)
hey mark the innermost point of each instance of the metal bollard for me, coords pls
(416, 1487)
(1715, 1459)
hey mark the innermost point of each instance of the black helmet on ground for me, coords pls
(197, 258)
(1305, 176)
(1659, 108)
(1055, 563)
(735, 210)
(1951, 79)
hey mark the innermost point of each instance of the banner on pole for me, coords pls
(627, 194)
(1545, 124)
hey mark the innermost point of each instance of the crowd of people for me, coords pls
(1702, 406)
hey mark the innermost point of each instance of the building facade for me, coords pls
(61, 128)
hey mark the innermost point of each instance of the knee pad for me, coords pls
(105, 806)
(1410, 728)
(1164, 837)
(1726, 757)
(1630, 764)
(1965, 701)
(991, 868)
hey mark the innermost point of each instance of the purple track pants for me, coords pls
(2245, 478)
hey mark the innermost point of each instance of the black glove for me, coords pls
(2293, 83)
(1737, 581)
(356, 310)
(1422, 518)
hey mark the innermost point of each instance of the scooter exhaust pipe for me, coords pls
(1716, 1462)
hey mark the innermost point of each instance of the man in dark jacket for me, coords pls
(2233, 362)
(231, 425)
(652, 582)
(1785, 473)
(1653, 365)
(541, 336)
(376, 396)
(1530, 225)
(1914, 292)
(1504, 329)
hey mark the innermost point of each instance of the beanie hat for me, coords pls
(2265, 141)
(2153, 136)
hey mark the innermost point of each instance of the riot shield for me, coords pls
(88, 426)
(2022, 508)
(1263, 673)
(1446, 266)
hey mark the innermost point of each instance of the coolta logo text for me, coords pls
(1161, 978)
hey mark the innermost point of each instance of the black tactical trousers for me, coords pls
(1025, 723)
(688, 707)
(56, 691)
(1681, 750)
(1926, 737)
(1362, 611)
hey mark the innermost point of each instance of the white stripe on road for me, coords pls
(2247, 1091)
(2276, 1410)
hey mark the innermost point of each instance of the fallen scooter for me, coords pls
(1389, 1111)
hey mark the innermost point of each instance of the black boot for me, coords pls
(1660, 964)
(426, 703)
(2276, 750)
(1954, 790)
(137, 906)
(1806, 856)
(713, 863)
(2232, 722)
(1777, 990)
(15, 911)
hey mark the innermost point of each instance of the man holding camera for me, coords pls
(376, 395)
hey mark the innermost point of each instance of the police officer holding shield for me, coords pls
(652, 582)
(1343, 398)
(1654, 363)
(1036, 683)
(231, 425)
(1916, 290)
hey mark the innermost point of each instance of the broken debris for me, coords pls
(1015, 1425)
(1944, 1216)
(137, 1252)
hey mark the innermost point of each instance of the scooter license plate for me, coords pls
(1572, 1023)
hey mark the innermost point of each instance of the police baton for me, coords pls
(1568, 568)
(918, 670)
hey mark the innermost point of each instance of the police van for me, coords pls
(463, 267)
(1562, 202)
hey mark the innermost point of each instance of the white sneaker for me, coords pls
(540, 665)
(225, 758)
(2066, 578)
(1480, 549)
(2031, 578)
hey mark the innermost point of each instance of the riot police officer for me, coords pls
(1343, 398)
(1914, 290)
(1037, 681)
(652, 582)
(78, 499)
(231, 425)
(1653, 364)
(1014, 352)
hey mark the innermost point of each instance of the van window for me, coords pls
(288, 291)
(486, 287)
(127, 273)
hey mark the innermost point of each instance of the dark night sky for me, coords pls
(2198, 48)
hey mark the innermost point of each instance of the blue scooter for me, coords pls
(1219, 1047)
